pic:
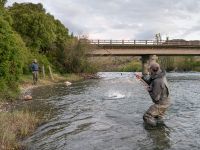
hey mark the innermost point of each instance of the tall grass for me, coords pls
(132, 67)
(14, 126)
(111, 63)
(180, 63)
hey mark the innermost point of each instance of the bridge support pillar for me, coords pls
(152, 59)
(145, 59)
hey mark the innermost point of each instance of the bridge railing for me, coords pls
(145, 42)
(116, 42)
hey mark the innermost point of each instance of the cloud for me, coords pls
(127, 19)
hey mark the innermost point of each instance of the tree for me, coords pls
(44, 34)
(35, 26)
(13, 56)
(2, 2)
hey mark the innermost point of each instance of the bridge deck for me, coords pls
(139, 52)
(144, 47)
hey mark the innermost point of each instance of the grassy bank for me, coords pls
(15, 125)
(27, 82)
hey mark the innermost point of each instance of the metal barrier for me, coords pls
(145, 42)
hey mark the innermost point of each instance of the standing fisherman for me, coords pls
(35, 69)
(159, 92)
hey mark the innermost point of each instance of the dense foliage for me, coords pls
(28, 32)
(2, 2)
(13, 54)
(37, 28)
(75, 59)
(47, 36)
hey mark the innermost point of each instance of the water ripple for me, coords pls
(107, 114)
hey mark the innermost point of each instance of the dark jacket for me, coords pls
(34, 67)
(158, 88)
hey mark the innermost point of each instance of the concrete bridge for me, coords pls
(147, 49)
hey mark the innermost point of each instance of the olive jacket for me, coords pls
(158, 88)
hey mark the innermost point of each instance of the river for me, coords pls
(106, 114)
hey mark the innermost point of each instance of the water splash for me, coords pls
(114, 95)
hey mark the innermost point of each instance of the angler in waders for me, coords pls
(159, 92)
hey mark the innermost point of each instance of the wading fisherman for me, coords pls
(159, 92)
(35, 69)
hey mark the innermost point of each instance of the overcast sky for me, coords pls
(126, 19)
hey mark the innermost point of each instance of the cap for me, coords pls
(35, 60)
(155, 67)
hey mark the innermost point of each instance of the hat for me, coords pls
(155, 67)
(35, 60)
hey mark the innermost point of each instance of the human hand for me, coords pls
(138, 76)
(148, 88)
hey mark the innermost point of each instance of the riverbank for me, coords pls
(26, 83)
(14, 124)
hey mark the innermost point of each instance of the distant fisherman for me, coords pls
(159, 92)
(35, 69)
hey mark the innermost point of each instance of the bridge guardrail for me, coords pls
(146, 42)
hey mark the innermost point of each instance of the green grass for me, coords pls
(72, 77)
(131, 67)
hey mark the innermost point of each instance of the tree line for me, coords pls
(27, 31)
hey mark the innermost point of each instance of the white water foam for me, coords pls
(114, 95)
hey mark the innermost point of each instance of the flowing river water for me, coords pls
(106, 114)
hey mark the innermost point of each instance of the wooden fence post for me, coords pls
(51, 73)
(43, 71)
